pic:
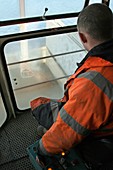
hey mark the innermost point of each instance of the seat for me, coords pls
(97, 153)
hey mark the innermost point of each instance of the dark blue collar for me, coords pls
(104, 50)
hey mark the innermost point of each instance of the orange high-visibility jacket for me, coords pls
(89, 108)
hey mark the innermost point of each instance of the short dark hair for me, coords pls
(97, 20)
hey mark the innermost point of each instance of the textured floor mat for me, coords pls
(20, 164)
(15, 137)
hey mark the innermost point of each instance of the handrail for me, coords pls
(38, 33)
(48, 81)
(36, 59)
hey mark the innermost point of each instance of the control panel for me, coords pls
(68, 160)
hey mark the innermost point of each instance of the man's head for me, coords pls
(95, 24)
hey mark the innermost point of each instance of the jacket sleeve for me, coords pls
(76, 119)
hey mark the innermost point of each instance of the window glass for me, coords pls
(54, 7)
(111, 5)
(34, 8)
(41, 66)
(28, 8)
(9, 9)
(95, 1)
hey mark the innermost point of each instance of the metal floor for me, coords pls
(15, 137)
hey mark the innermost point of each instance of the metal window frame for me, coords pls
(5, 83)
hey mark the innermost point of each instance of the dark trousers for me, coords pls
(97, 153)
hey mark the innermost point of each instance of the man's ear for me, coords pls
(83, 37)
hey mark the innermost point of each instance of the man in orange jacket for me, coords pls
(87, 106)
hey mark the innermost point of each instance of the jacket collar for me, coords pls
(104, 51)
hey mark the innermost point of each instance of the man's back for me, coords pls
(89, 102)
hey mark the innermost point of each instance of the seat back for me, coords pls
(97, 152)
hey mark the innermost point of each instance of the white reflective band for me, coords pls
(42, 149)
(73, 124)
(54, 109)
(99, 80)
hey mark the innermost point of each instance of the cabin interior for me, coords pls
(39, 49)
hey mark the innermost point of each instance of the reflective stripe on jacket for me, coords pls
(88, 110)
